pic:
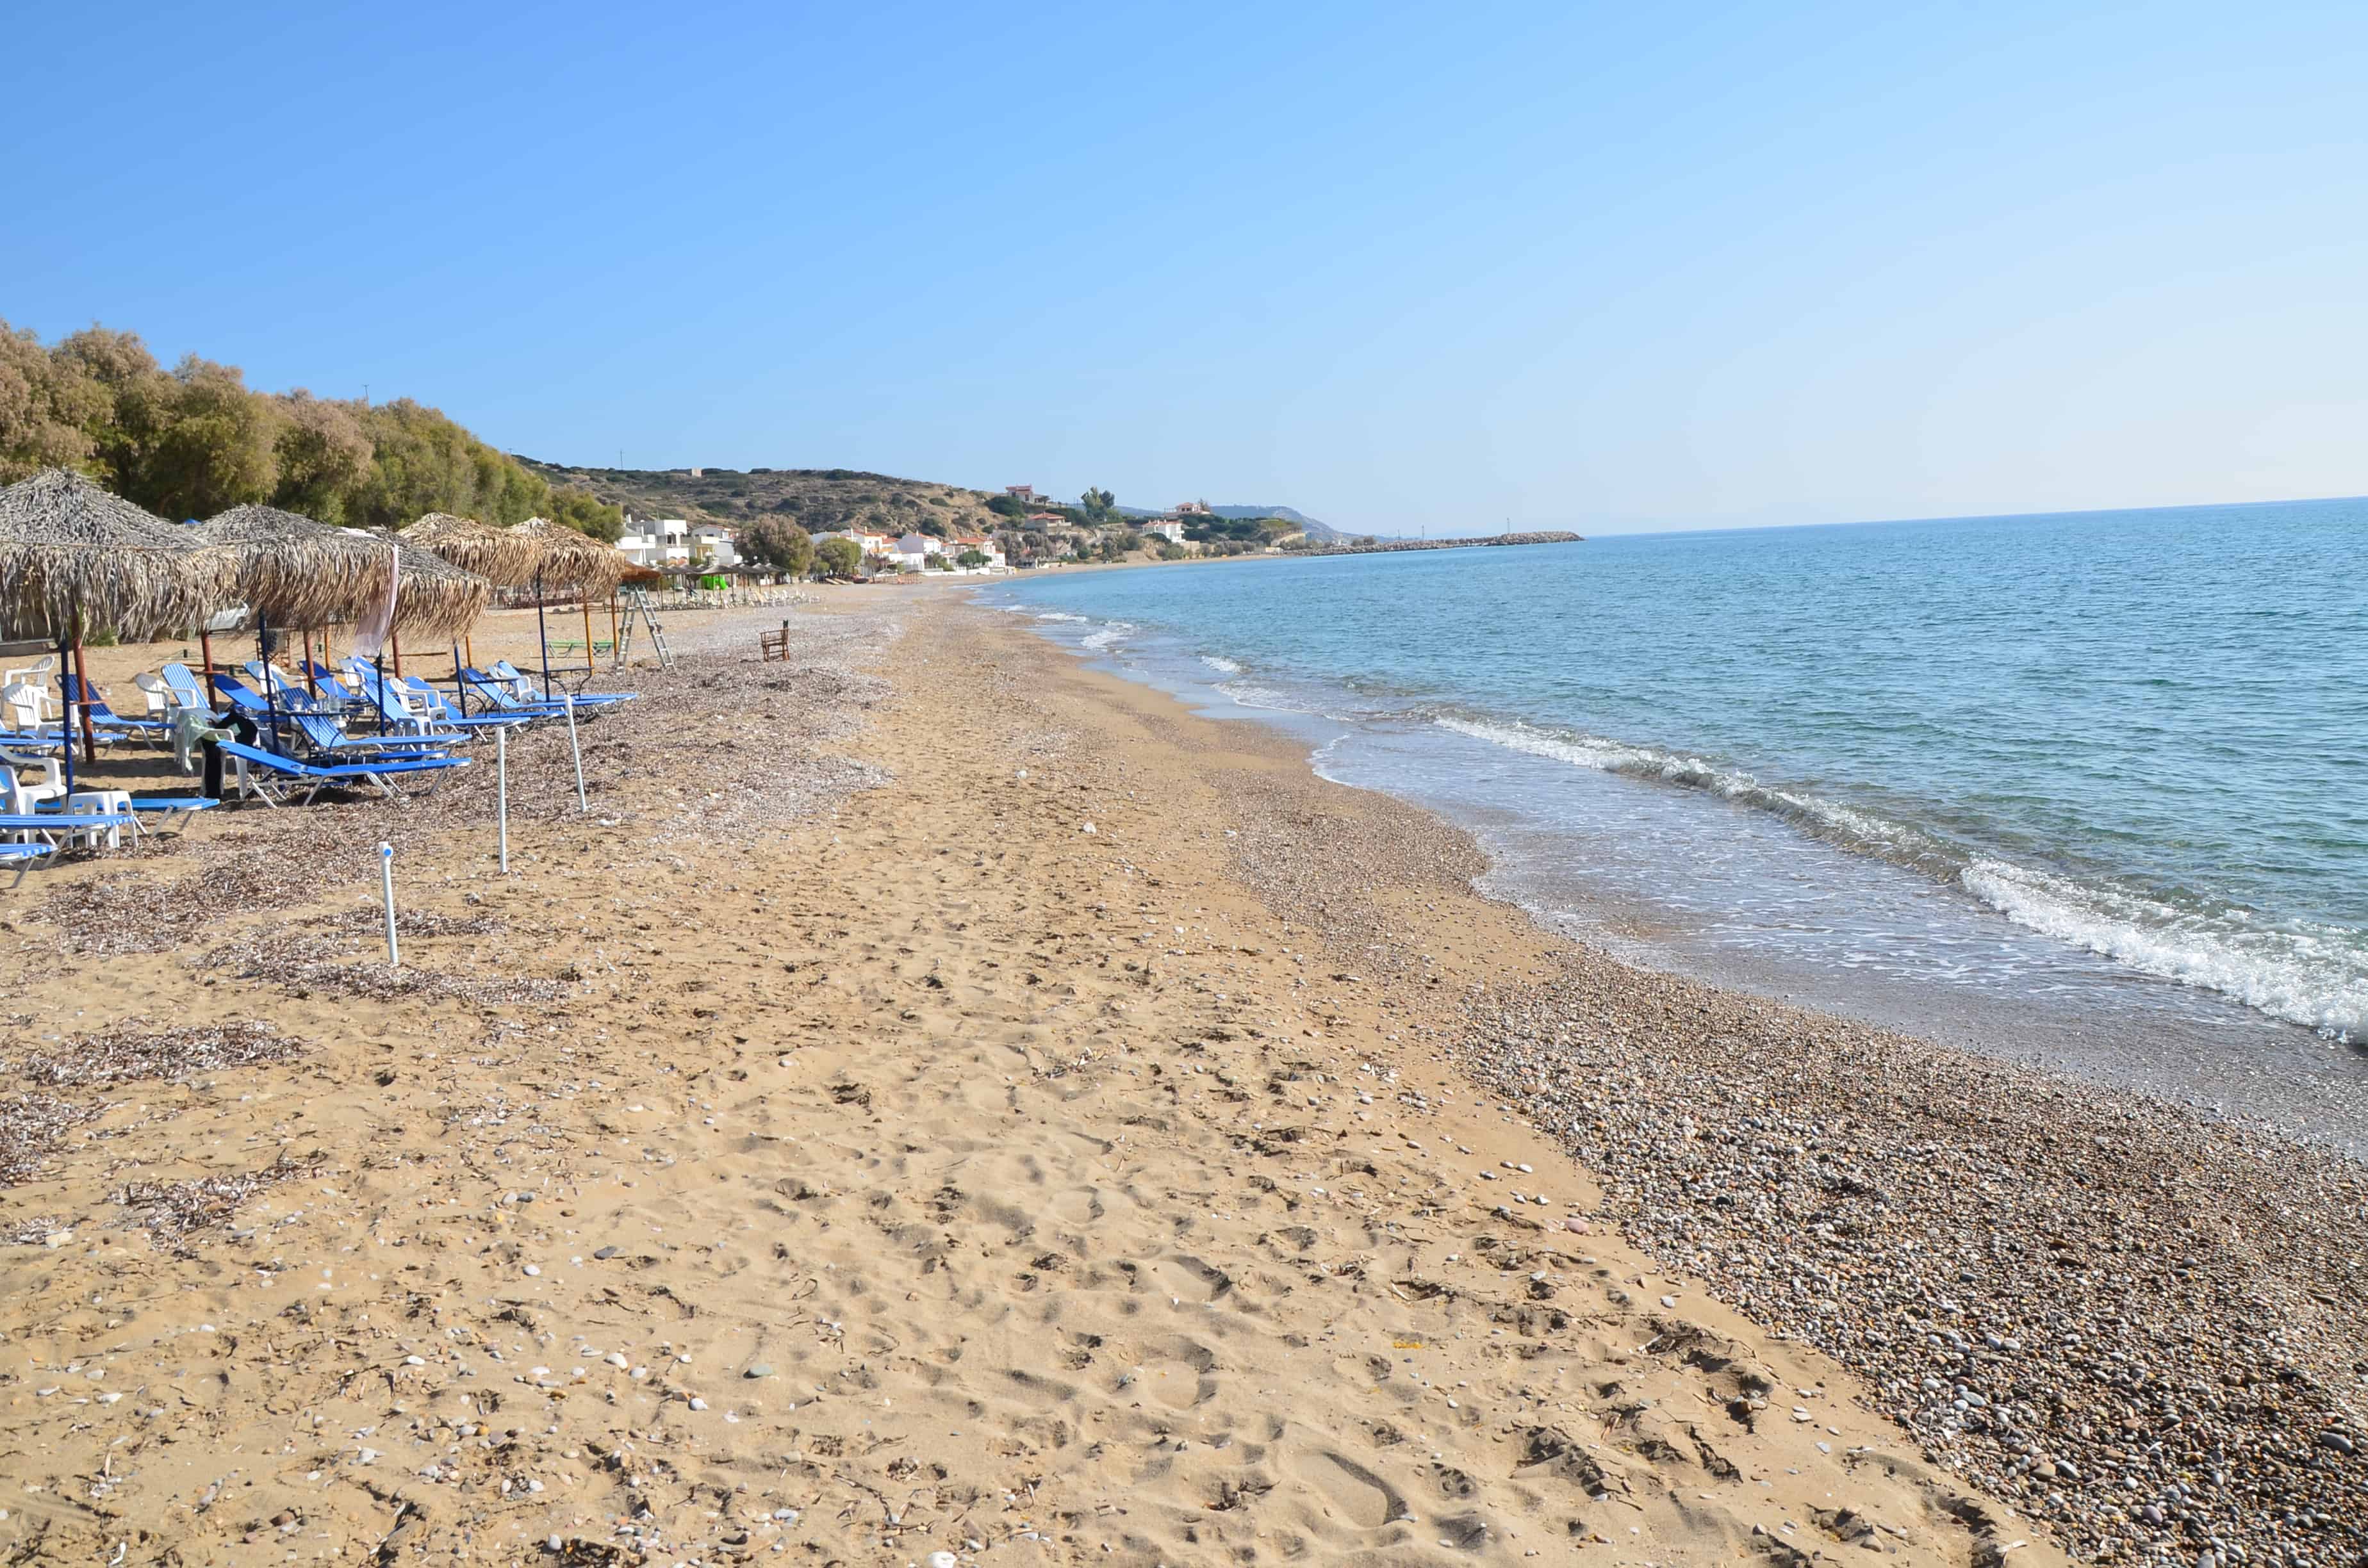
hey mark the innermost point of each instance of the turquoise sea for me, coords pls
(2087, 789)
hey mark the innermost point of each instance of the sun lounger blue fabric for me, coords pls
(389, 701)
(185, 686)
(497, 694)
(107, 718)
(286, 774)
(320, 731)
(25, 857)
(183, 806)
(522, 682)
(443, 712)
(50, 822)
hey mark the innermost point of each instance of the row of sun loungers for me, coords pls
(281, 742)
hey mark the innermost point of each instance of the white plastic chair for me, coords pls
(22, 795)
(156, 694)
(35, 674)
(22, 705)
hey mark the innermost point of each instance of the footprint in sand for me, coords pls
(1351, 1492)
(1177, 1372)
(1187, 1278)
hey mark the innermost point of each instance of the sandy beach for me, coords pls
(942, 1104)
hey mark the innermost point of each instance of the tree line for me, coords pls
(194, 440)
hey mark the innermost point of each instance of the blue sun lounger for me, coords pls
(164, 806)
(400, 706)
(102, 717)
(33, 838)
(522, 683)
(274, 779)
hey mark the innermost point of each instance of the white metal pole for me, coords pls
(502, 790)
(577, 753)
(386, 887)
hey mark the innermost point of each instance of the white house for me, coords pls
(912, 553)
(1167, 529)
(870, 544)
(711, 545)
(656, 543)
(961, 544)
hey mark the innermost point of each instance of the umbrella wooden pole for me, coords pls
(270, 686)
(65, 715)
(542, 635)
(587, 603)
(311, 684)
(460, 687)
(206, 651)
(395, 637)
(82, 689)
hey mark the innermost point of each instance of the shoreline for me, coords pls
(829, 1145)
(1871, 938)
(1705, 1166)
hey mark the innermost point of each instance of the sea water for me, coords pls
(2088, 790)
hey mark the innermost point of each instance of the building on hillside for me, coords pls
(1167, 529)
(1025, 492)
(869, 543)
(1195, 509)
(711, 544)
(656, 543)
(962, 543)
(912, 553)
(1040, 518)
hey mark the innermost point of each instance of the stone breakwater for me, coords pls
(2141, 1327)
(1389, 546)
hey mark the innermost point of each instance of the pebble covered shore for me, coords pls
(2141, 1327)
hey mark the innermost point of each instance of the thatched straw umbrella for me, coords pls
(74, 557)
(495, 554)
(565, 558)
(306, 573)
(303, 572)
(490, 552)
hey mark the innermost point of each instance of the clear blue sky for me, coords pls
(1400, 267)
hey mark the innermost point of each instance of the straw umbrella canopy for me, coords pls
(74, 557)
(496, 554)
(435, 590)
(299, 571)
(565, 558)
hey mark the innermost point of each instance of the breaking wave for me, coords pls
(2312, 974)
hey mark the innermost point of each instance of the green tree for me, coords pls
(839, 557)
(48, 407)
(209, 444)
(320, 455)
(579, 509)
(1005, 506)
(1097, 505)
(970, 558)
(424, 463)
(775, 541)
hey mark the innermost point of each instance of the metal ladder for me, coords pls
(637, 602)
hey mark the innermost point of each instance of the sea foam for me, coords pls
(2313, 975)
